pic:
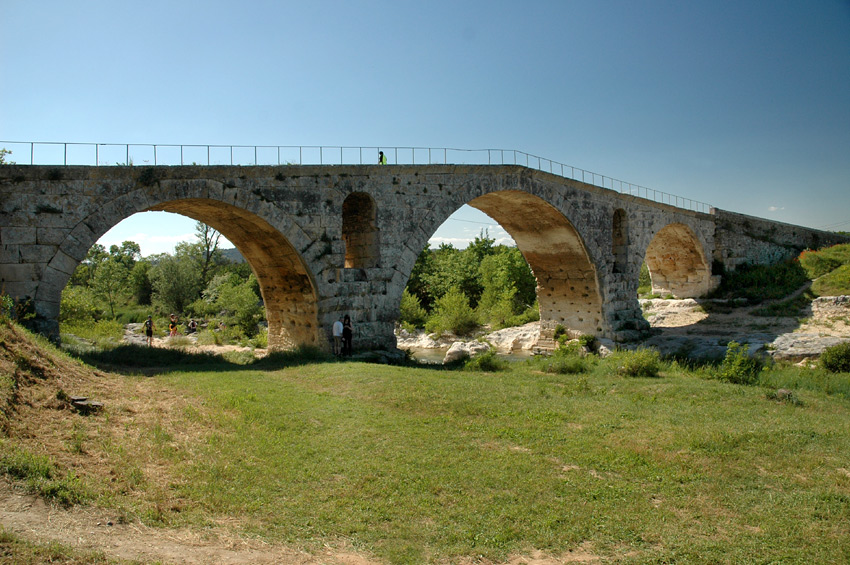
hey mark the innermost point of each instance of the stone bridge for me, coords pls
(328, 240)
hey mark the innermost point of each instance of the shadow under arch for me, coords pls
(568, 292)
(677, 263)
(288, 291)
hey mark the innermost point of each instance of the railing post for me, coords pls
(66, 154)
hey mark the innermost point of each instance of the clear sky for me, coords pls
(743, 104)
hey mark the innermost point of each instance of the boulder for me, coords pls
(464, 349)
(517, 338)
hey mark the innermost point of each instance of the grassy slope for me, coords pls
(416, 465)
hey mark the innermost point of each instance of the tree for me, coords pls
(85, 271)
(3, 153)
(127, 254)
(175, 281)
(240, 305)
(210, 254)
(110, 283)
(140, 282)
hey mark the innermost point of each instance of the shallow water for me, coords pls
(435, 356)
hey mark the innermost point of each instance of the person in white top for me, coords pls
(337, 333)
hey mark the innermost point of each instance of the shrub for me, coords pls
(261, 340)
(638, 363)
(738, 366)
(78, 304)
(452, 313)
(487, 361)
(644, 281)
(762, 282)
(412, 312)
(530, 314)
(588, 341)
(836, 359)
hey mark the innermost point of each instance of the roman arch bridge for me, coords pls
(334, 239)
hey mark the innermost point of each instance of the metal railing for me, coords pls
(101, 154)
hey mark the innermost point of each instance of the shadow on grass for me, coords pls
(136, 359)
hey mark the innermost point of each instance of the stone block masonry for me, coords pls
(325, 241)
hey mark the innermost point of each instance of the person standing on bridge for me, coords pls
(382, 159)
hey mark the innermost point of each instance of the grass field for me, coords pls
(416, 465)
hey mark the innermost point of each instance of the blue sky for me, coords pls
(741, 104)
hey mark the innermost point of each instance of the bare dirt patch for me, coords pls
(93, 529)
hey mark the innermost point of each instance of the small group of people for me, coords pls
(173, 326)
(342, 334)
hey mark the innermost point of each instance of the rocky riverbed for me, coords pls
(698, 329)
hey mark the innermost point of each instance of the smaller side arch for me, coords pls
(677, 263)
(620, 240)
(360, 232)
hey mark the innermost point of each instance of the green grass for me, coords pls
(835, 283)
(40, 475)
(418, 465)
(823, 261)
(15, 550)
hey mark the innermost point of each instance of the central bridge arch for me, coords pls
(568, 292)
(287, 289)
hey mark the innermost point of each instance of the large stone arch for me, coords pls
(568, 290)
(287, 287)
(677, 263)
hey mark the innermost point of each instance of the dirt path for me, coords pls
(94, 529)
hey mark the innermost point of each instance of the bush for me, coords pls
(452, 313)
(530, 314)
(836, 359)
(738, 367)
(412, 312)
(644, 281)
(638, 363)
(78, 305)
(762, 282)
(487, 361)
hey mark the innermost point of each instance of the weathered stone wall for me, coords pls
(331, 240)
(742, 240)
